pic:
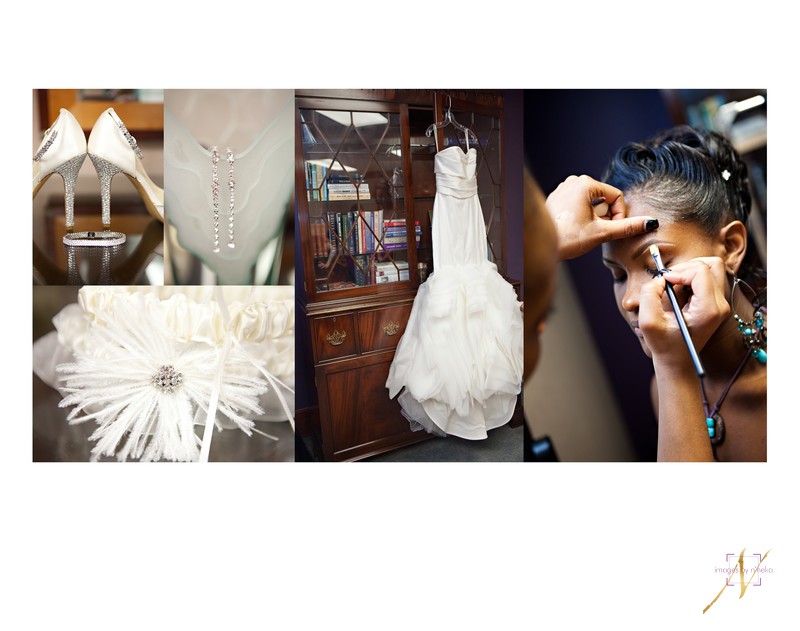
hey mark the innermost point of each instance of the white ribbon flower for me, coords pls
(147, 369)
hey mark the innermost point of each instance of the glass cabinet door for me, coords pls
(422, 154)
(355, 191)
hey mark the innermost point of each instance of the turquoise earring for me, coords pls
(754, 331)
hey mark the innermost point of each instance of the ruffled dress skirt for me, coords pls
(458, 367)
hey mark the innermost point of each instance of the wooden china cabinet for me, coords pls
(365, 188)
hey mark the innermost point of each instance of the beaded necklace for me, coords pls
(754, 334)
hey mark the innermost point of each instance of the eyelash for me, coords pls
(621, 278)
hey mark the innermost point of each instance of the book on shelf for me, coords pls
(391, 271)
(395, 234)
(311, 181)
(344, 236)
(355, 233)
(396, 246)
(346, 192)
(361, 237)
(347, 197)
(324, 184)
(320, 238)
(333, 242)
(400, 229)
(360, 269)
(360, 232)
(364, 232)
(385, 265)
(347, 188)
(345, 177)
(350, 231)
(315, 176)
(364, 270)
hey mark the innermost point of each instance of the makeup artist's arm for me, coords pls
(582, 226)
(682, 432)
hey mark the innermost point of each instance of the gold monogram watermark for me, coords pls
(742, 585)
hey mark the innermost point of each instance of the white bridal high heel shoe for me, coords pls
(62, 151)
(113, 150)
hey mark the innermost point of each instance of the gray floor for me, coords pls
(504, 444)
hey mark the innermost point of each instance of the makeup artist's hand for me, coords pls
(588, 213)
(700, 286)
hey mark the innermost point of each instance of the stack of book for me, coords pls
(365, 270)
(394, 234)
(391, 271)
(323, 184)
(345, 186)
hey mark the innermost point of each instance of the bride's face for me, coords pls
(632, 266)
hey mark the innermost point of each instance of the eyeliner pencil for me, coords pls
(698, 366)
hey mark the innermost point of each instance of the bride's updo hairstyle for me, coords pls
(689, 175)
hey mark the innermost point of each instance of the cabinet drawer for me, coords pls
(381, 329)
(335, 336)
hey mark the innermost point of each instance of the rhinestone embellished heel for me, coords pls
(62, 151)
(105, 171)
(114, 150)
(69, 171)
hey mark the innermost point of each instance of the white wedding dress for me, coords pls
(459, 363)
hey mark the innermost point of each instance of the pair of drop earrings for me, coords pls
(215, 195)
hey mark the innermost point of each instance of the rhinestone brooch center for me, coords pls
(167, 380)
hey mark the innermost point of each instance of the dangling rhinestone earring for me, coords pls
(232, 190)
(215, 195)
(753, 331)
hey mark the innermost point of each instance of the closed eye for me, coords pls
(618, 273)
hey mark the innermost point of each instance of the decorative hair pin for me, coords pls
(726, 175)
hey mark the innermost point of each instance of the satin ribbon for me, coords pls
(455, 186)
(208, 430)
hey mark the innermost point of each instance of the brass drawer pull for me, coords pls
(336, 338)
(392, 328)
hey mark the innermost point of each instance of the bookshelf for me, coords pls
(355, 174)
(365, 184)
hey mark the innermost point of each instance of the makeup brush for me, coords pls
(698, 366)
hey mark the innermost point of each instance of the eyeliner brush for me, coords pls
(654, 252)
